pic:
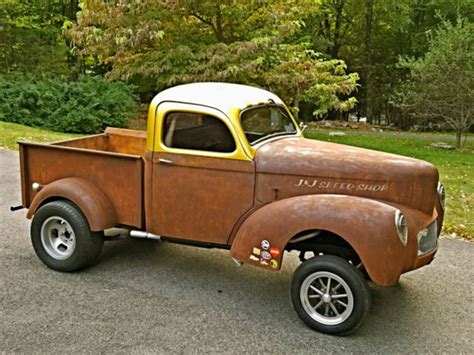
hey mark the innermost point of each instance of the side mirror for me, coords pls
(303, 126)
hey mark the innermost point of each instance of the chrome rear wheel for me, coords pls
(58, 238)
(62, 239)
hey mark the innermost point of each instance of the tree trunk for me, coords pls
(369, 6)
(296, 104)
(458, 138)
(74, 6)
(219, 30)
(339, 8)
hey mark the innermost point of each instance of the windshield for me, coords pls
(262, 122)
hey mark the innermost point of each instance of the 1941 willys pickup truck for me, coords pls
(226, 166)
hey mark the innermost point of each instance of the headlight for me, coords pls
(427, 239)
(402, 229)
(441, 194)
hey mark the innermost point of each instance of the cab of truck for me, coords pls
(203, 153)
(227, 166)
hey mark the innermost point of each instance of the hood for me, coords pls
(298, 166)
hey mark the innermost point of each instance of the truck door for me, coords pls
(202, 180)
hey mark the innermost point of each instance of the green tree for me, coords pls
(157, 44)
(30, 35)
(371, 35)
(440, 87)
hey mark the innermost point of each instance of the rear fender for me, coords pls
(91, 200)
(367, 225)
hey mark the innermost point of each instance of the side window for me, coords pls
(188, 130)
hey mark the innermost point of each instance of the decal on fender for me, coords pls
(275, 252)
(274, 263)
(266, 255)
(254, 258)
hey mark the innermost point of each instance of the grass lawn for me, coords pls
(456, 167)
(456, 170)
(10, 133)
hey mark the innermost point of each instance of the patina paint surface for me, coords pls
(335, 174)
(367, 225)
(199, 198)
(254, 200)
(118, 176)
(295, 166)
(91, 200)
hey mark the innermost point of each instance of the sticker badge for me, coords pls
(264, 262)
(256, 251)
(265, 244)
(266, 255)
(274, 263)
(254, 258)
(275, 252)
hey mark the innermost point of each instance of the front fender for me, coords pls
(92, 201)
(367, 225)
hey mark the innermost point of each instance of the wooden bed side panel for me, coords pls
(120, 177)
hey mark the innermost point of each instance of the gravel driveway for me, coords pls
(147, 296)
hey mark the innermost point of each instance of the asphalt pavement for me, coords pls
(149, 296)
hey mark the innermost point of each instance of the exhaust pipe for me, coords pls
(143, 235)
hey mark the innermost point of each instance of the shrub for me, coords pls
(84, 106)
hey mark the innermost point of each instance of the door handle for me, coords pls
(165, 161)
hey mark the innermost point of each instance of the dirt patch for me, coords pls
(360, 126)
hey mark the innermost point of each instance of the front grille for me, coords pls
(428, 239)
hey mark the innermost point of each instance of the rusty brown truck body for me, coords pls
(226, 166)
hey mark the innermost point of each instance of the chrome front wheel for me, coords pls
(330, 295)
(327, 298)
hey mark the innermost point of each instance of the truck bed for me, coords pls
(113, 161)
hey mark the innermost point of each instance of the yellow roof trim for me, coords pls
(229, 99)
(224, 97)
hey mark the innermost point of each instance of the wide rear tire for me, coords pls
(62, 239)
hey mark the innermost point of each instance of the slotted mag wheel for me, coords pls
(62, 239)
(57, 237)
